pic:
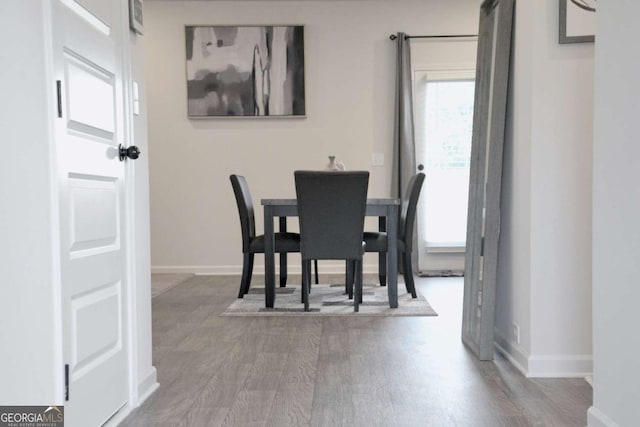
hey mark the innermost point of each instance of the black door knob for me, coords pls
(420, 167)
(132, 152)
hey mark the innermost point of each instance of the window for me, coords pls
(444, 123)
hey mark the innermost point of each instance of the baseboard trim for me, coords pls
(514, 355)
(223, 270)
(234, 270)
(148, 386)
(119, 416)
(560, 366)
(589, 379)
(597, 418)
(544, 366)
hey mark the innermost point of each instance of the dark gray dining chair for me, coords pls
(376, 241)
(252, 243)
(331, 210)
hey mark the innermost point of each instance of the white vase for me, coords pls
(331, 166)
(334, 165)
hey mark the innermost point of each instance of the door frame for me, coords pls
(129, 219)
(454, 256)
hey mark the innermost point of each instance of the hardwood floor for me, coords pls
(163, 282)
(296, 371)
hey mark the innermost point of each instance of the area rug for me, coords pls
(330, 300)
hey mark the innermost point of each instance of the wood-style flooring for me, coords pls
(296, 371)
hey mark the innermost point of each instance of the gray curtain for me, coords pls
(404, 162)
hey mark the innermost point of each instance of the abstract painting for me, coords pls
(245, 71)
(135, 15)
(577, 21)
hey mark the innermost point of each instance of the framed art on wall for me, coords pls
(577, 21)
(135, 15)
(245, 71)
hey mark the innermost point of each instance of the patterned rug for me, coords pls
(330, 300)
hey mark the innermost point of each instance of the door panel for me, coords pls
(95, 328)
(95, 216)
(99, 9)
(86, 49)
(90, 96)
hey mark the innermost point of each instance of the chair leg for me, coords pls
(382, 268)
(283, 269)
(315, 265)
(247, 269)
(357, 297)
(251, 258)
(407, 272)
(306, 276)
(302, 269)
(282, 224)
(359, 273)
(348, 280)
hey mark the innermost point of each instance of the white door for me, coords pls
(87, 65)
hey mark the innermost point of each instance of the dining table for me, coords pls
(386, 209)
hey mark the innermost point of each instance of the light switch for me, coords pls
(136, 99)
(377, 159)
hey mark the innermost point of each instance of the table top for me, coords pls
(291, 202)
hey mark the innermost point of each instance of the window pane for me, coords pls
(448, 123)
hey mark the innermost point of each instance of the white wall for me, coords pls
(514, 260)
(31, 364)
(616, 209)
(545, 259)
(350, 68)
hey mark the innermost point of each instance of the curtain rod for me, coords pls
(393, 36)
